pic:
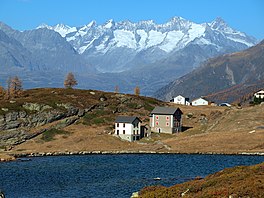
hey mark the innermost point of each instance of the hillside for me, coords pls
(225, 78)
(234, 182)
(70, 120)
(37, 110)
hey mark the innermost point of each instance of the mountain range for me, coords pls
(226, 78)
(123, 53)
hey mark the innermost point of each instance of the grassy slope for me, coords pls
(210, 129)
(226, 131)
(235, 182)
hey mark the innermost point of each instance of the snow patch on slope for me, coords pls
(125, 38)
(240, 41)
(155, 38)
(171, 40)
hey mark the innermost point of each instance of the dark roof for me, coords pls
(165, 110)
(126, 119)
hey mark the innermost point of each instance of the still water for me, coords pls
(107, 175)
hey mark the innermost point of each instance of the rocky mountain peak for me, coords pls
(220, 24)
(109, 24)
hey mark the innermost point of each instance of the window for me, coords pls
(157, 117)
(135, 125)
(157, 123)
(167, 124)
(124, 125)
(124, 131)
(167, 117)
(117, 132)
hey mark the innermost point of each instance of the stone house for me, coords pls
(180, 100)
(166, 120)
(128, 128)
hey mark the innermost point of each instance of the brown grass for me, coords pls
(209, 128)
(82, 138)
(235, 182)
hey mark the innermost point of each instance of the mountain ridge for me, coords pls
(127, 54)
(174, 35)
(223, 75)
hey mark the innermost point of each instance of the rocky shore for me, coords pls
(41, 154)
(2, 195)
(6, 158)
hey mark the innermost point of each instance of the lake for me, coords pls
(108, 175)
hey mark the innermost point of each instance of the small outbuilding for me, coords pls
(180, 100)
(200, 101)
(128, 128)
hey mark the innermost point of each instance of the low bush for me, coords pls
(51, 133)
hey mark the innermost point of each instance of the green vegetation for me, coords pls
(98, 117)
(132, 105)
(51, 133)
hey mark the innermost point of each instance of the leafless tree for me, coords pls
(2, 91)
(137, 91)
(70, 81)
(14, 87)
(116, 89)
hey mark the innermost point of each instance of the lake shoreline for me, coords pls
(109, 175)
(15, 156)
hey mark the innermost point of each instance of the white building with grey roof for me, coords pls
(128, 128)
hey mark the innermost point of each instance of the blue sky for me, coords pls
(244, 15)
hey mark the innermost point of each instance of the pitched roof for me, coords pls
(260, 91)
(203, 98)
(165, 110)
(126, 119)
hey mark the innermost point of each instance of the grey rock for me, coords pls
(203, 119)
(12, 116)
(4, 109)
(2, 119)
(12, 125)
(22, 114)
(2, 195)
(72, 111)
(66, 122)
(66, 106)
(36, 107)
(102, 98)
(81, 112)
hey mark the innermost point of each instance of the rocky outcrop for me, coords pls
(2, 194)
(16, 119)
(15, 125)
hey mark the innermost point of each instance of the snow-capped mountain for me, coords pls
(98, 42)
(142, 54)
